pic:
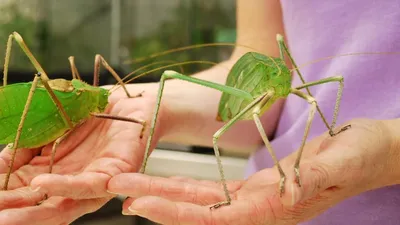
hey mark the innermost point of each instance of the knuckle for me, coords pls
(320, 176)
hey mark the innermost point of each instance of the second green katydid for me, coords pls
(37, 113)
(253, 84)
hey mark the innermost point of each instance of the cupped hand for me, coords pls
(84, 163)
(333, 168)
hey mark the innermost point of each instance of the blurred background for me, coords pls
(121, 30)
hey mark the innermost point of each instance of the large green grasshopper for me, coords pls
(37, 113)
(253, 84)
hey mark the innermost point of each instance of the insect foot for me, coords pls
(282, 185)
(331, 133)
(137, 95)
(219, 204)
(297, 175)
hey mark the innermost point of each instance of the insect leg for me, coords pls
(7, 60)
(121, 118)
(338, 98)
(74, 70)
(172, 74)
(19, 129)
(220, 132)
(256, 117)
(41, 73)
(27, 52)
(311, 114)
(282, 45)
(53, 150)
(99, 59)
(57, 102)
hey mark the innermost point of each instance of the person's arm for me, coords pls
(394, 133)
(192, 109)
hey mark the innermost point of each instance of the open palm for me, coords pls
(333, 169)
(90, 156)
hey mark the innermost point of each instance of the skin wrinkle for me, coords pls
(151, 185)
(19, 175)
(18, 160)
(178, 215)
(21, 197)
(114, 163)
(256, 213)
(320, 175)
(90, 191)
(193, 193)
(212, 219)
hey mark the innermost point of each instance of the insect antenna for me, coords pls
(116, 86)
(141, 59)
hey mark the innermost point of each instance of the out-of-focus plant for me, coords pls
(195, 22)
(21, 18)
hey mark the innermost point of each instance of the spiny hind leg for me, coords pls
(338, 99)
(172, 74)
(256, 118)
(19, 130)
(96, 76)
(27, 52)
(219, 133)
(53, 153)
(7, 59)
(311, 114)
(54, 149)
(41, 73)
(268, 145)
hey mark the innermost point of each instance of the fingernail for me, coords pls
(35, 190)
(130, 211)
(126, 212)
(111, 192)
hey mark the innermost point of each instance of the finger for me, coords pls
(137, 185)
(92, 183)
(66, 146)
(23, 176)
(168, 212)
(232, 185)
(86, 185)
(54, 211)
(318, 174)
(164, 211)
(23, 156)
(18, 198)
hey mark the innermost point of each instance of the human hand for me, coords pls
(362, 158)
(84, 163)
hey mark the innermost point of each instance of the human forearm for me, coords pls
(196, 107)
(393, 131)
(192, 112)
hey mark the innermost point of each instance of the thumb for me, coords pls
(316, 176)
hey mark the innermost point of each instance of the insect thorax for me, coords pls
(272, 73)
(256, 74)
(99, 96)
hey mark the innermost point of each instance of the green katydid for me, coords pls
(253, 84)
(37, 113)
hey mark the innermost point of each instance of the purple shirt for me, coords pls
(316, 29)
